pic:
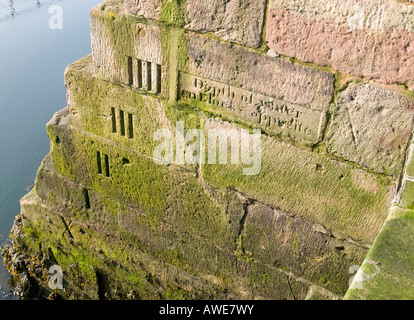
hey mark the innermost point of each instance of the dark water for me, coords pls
(33, 58)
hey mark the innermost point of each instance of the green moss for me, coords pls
(313, 65)
(389, 263)
(175, 293)
(338, 196)
(32, 234)
(175, 258)
(162, 192)
(263, 43)
(173, 43)
(407, 196)
(135, 280)
(104, 237)
(93, 108)
(406, 90)
(295, 242)
(172, 13)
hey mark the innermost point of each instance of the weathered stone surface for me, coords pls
(209, 58)
(287, 225)
(407, 195)
(179, 208)
(338, 196)
(275, 95)
(167, 193)
(371, 126)
(409, 169)
(128, 52)
(372, 38)
(97, 245)
(234, 21)
(150, 9)
(63, 191)
(187, 254)
(291, 243)
(245, 277)
(387, 271)
(180, 251)
(113, 111)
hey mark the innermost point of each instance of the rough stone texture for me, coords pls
(281, 79)
(101, 260)
(149, 9)
(275, 95)
(372, 39)
(234, 21)
(283, 98)
(100, 109)
(371, 126)
(136, 180)
(181, 257)
(164, 196)
(128, 52)
(291, 243)
(345, 200)
(124, 226)
(387, 271)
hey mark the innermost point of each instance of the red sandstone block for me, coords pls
(233, 20)
(369, 39)
(273, 94)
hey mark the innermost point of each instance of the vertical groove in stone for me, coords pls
(122, 122)
(113, 118)
(130, 72)
(130, 126)
(149, 76)
(98, 160)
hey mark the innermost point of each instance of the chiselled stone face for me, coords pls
(326, 84)
(360, 108)
(274, 95)
(226, 19)
(373, 39)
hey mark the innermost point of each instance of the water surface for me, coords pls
(33, 58)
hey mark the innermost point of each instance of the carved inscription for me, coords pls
(271, 114)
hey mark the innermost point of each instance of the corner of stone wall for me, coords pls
(387, 271)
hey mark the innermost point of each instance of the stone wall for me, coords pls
(327, 83)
